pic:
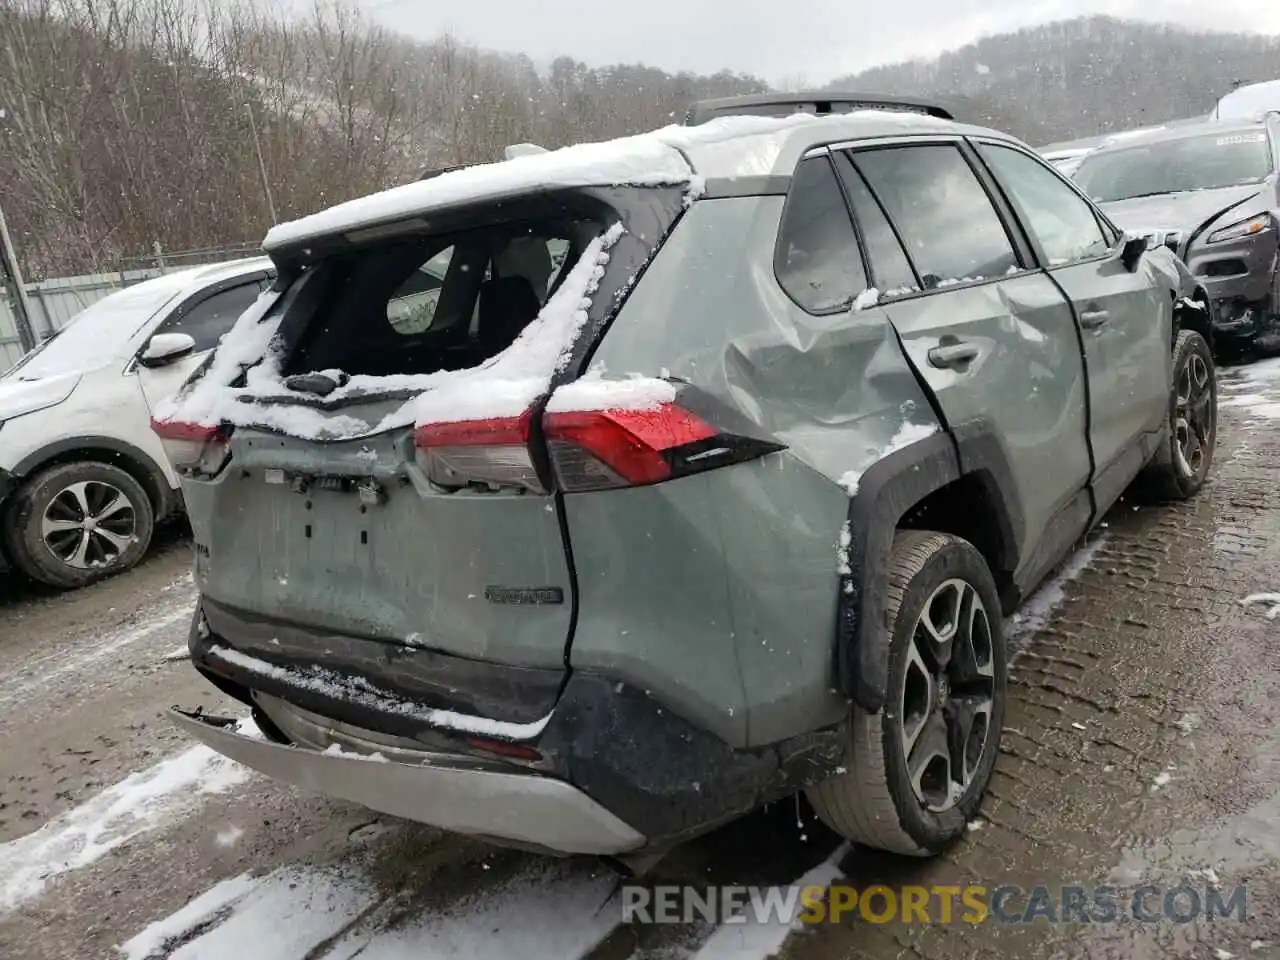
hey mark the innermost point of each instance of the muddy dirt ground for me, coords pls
(1141, 747)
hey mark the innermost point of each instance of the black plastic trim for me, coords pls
(821, 102)
(885, 493)
(512, 694)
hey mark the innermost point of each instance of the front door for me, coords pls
(1125, 319)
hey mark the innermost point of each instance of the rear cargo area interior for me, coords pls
(423, 304)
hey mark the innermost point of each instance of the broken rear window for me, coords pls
(425, 303)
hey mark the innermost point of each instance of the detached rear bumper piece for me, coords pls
(445, 792)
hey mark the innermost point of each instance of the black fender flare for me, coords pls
(886, 493)
(145, 469)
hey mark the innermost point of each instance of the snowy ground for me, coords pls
(1141, 743)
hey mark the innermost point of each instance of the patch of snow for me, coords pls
(1163, 778)
(229, 836)
(361, 691)
(136, 805)
(908, 434)
(758, 937)
(1270, 600)
(550, 911)
(177, 653)
(593, 392)
(335, 750)
(982, 69)
(1034, 614)
(866, 299)
(849, 480)
(1223, 954)
(155, 939)
(842, 550)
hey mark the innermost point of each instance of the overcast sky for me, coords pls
(816, 39)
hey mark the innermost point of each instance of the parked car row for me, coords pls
(727, 501)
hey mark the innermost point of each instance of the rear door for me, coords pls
(991, 335)
(1125, 319)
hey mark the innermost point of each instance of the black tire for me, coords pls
(1170, 475)
(126, 527)
(874, 803)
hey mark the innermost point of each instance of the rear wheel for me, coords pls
(1180, 466)
(76, 523)
(919, 767)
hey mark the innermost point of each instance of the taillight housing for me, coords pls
(194, 448)
(590, 449)
(493, 452)
(601, 449)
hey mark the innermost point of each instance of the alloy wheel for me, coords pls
(89, 524)
(947, 697)
(1194, 416)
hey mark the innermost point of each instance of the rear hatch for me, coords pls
(385, 477)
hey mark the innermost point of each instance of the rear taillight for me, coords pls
(194, 447)
(493, 452)
(600, 449)
(591, 449)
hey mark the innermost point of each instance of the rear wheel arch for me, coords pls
(117, 453)
(958, 483)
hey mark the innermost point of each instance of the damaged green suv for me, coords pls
(705, 475)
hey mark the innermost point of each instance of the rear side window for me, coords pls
(1062, 222)
(212, 317)
(817, 260)
(942, 211)
(890, 269)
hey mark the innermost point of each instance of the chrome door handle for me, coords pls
(1093, 319)
(953, 355)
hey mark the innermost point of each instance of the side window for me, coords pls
(1062, 222)
(890, 269)
(212, 317)
(942, 211)
(412, 308)
(817, 261)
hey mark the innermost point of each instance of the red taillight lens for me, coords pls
(600, 449)
(493, 452)
(193, 447)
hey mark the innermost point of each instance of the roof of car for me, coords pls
(197, 278)
(687, 156)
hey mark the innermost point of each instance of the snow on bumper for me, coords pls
(449, 793)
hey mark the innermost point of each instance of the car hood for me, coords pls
(18, 397)
(1183, 212)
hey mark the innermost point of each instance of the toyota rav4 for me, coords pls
(728, 504)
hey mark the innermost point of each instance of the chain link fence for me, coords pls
(55, 302)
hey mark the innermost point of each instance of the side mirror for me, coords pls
(165, 348)
(1131, 251)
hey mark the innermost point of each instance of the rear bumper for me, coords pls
(448, 792)
(604, 747)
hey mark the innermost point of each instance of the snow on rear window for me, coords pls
(504, 385)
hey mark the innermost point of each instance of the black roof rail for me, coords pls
(819, 103)
(432, 172)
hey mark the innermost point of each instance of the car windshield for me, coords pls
(98, 333)
(1203, 162)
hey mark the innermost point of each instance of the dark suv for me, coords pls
(719, 490)
(1210, 193)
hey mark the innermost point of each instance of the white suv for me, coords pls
(83, 479)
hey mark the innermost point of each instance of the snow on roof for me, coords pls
(672, 156)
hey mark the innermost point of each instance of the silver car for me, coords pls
(728, 504)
